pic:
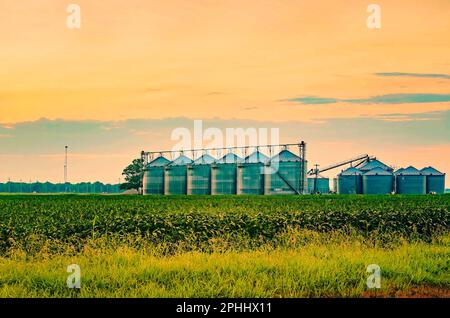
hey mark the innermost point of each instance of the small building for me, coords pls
(319, 185)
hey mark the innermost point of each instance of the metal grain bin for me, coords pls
(410, 181)
(250, 174)
(224, 174)
(435, 180)
(372, 164)
(199, 175)
(284, 174)
(349, 181)
(318, 185)
(378, 181)
(153, 182)
(176, 176)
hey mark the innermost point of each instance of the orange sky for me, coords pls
(157, 59)
(220, 59)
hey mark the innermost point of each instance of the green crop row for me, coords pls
(198, 219)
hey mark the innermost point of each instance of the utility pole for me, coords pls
(317, 176)
(303, 174)
(65, 169)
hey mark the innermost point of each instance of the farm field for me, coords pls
(231, 246)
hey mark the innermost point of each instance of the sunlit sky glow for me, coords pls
(142, 68)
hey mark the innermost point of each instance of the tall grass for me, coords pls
(28, 221)
(310, 264)
(239, 246)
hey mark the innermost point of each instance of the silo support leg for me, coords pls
(267, 175)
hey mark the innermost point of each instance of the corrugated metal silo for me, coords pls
(250, 174)
(284, 173)
(410, 181)
(224, 174)
(176, 176)
(199, 175)
(350, 181)
(378, 181)
(318, 185)
(153, 181)
(435, 180)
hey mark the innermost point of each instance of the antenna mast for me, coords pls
(65, 168)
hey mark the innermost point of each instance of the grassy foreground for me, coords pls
(237, 246)
(315, 265)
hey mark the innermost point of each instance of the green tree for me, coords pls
(133, 175)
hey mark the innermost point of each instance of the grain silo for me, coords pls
(318, 185)
(199, 175)
(153, 182)
(435, 180)
(410, 181)
(224, 174)
(250, 174)
(175, 175)
(283, 176)
(372, 164)
(378, 181)
(350, 181)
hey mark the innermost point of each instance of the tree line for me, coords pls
(133, 180)
(48, 187)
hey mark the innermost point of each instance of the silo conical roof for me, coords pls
(229, 158)
(158, 162)
(181, 161)
(351, 171)
(369, 165)
(285, 155)
(430, 171)
(378, 171)
(410, 171)
(204, 159)
(256, 157)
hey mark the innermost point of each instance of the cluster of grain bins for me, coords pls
(283, 173)
(375, 177)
